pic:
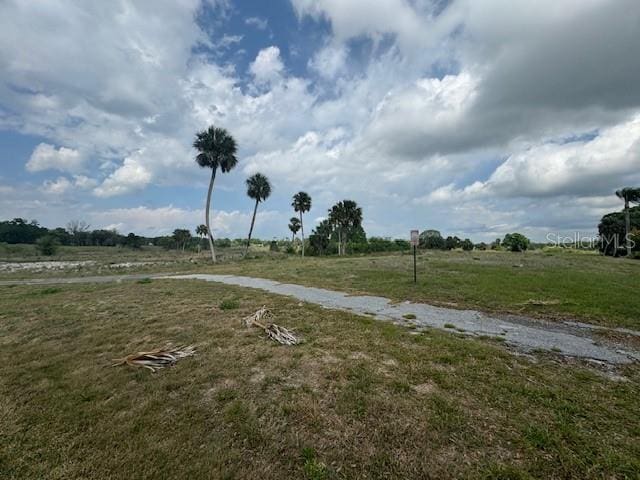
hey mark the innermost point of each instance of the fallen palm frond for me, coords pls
(160, 358)
(274, 332)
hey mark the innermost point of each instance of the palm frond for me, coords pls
(155, 359)
(274, 332)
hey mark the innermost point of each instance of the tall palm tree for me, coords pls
(345, 216)
(258, 188)
(301, 204)
(294, 226)
(629, 195)
(216, 149)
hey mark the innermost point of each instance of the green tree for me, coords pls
(612, 228)
(467, 245)
(294, 226)
(452, 243)
(47, 245)
(259, 189)
(181, 236)
(345, 216)
(431, 239)
(630, 196)
(301, 204)
(515, 242)
(216, 150)
(320, 238)
(201, 232)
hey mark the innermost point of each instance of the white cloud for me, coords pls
(163, 220)
(416, 113)
(47, 157)
(258, 22)
(267, 66)
(83, 182)
(58, 186)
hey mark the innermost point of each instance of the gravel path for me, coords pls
(570, 339)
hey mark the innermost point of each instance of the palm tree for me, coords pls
(345, 216)
(301, 204)
(201, 231)
(258, 188)
(628, 195)
(294, 226)
(216, 149)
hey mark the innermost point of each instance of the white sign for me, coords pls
(415, 238)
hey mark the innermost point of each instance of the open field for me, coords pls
(358, 399)
(579, 286)
(548, 284)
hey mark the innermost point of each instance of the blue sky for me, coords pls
(476, 118)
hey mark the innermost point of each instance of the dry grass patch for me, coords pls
(359, 399)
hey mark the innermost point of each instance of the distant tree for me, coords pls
(20, 230)
(629, 195)
(201, 232)
(216, 149)
(345, 216)
(78, 230)
(301, 204)
(496, 244)
(452, 243)
(181, 236)
(294, 226)
(223, 243)
(432, 240)
(259, 189)
(320, 238)
(467, 245)
(612, 230)
(132, 241)
(481, 246)
(515, 242)
(47, 245)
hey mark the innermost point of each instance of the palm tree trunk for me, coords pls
(302, 232)
(208, 208)
(255, 210)
(627, 227)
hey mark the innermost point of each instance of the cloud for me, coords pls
(47, 157)
(163, 220)
(57, 187)
(267, 66)
(258, 22)
(466, 116)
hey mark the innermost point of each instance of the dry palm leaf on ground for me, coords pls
(274, 332)
(160, 358)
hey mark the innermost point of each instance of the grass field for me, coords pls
(358, 399)
(549, 284)
(553, 285)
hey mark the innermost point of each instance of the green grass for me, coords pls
(359, 398)
(229, 304)
(552, 285)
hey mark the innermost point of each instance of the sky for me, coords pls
(472, 117)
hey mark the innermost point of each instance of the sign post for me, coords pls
(415, 238)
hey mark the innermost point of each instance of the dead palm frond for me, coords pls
(274, 332)
(160, 358)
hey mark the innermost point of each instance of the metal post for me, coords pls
(415, 277)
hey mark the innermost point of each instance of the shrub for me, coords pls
(467, 245)
(515, 242)
(47, 245)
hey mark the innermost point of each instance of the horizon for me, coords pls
(476, 119)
